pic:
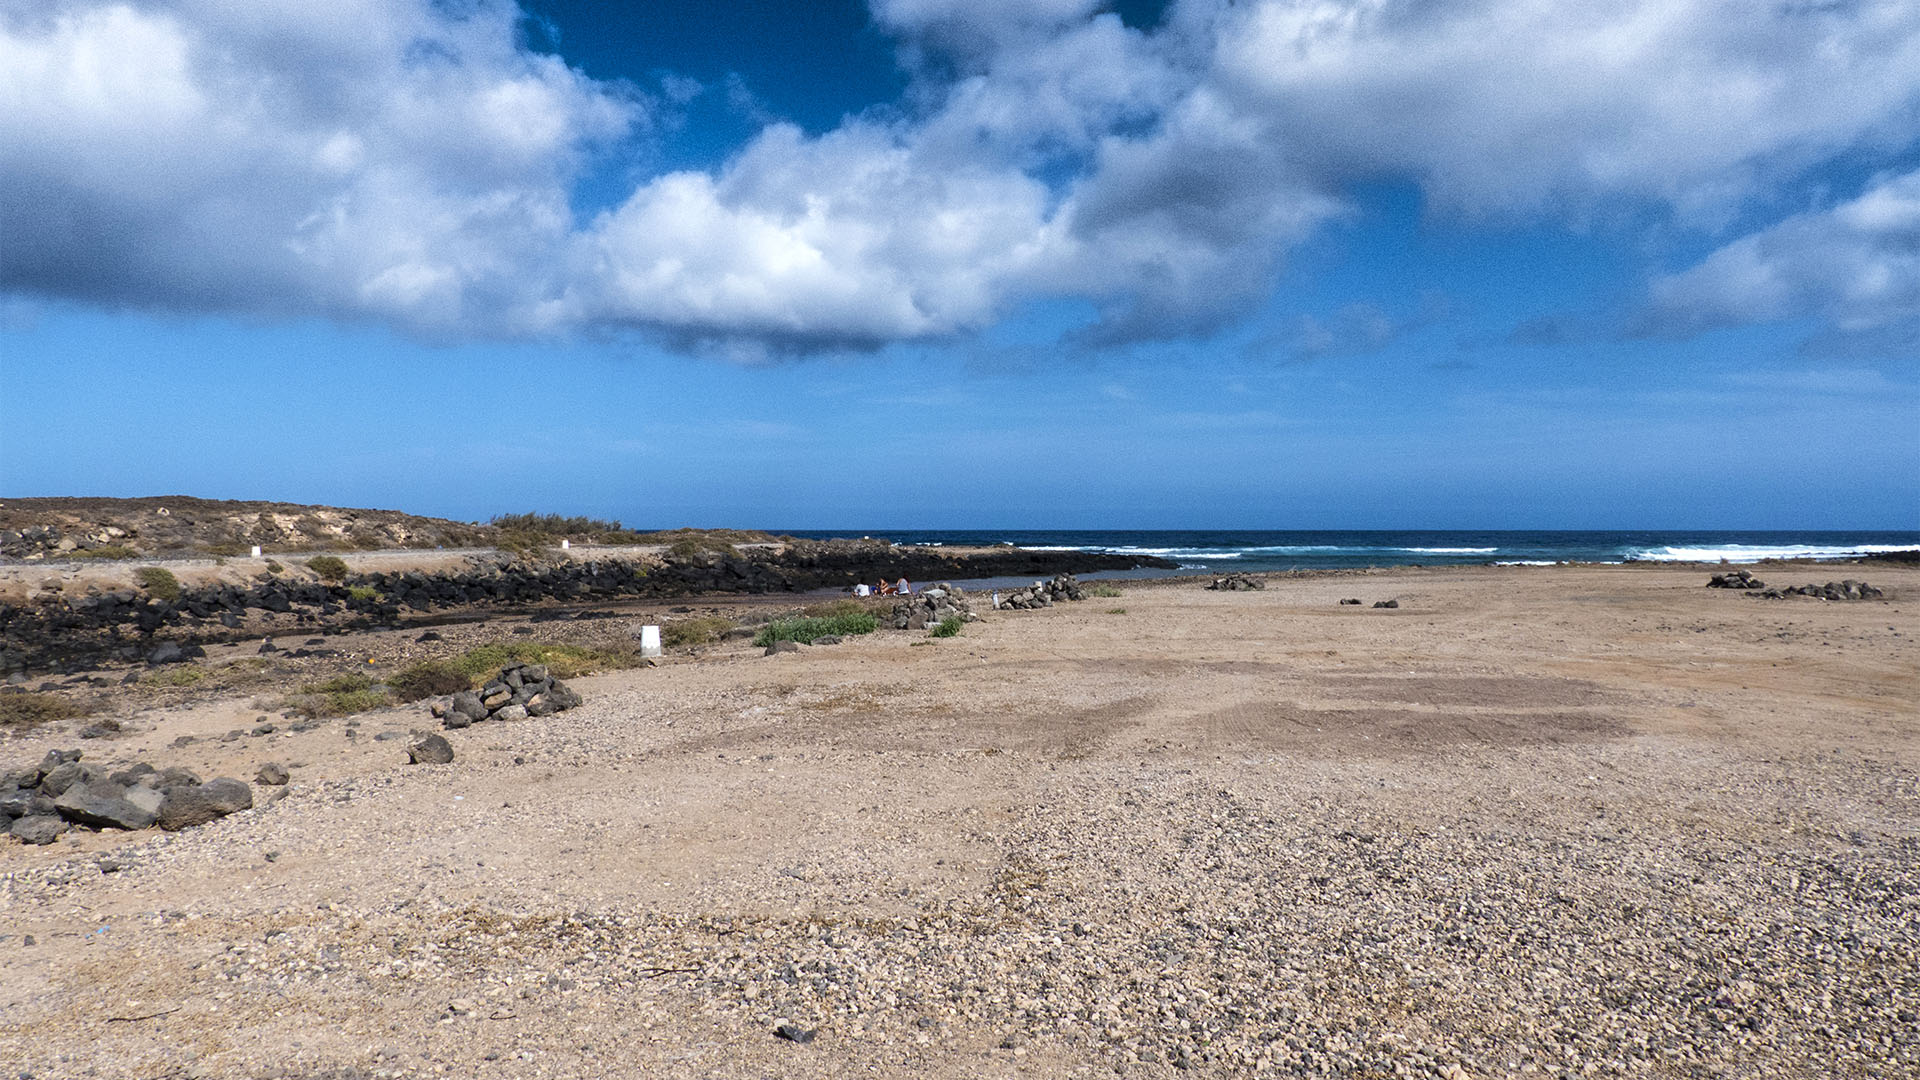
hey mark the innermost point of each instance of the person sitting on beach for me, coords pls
(905, 588)
(883, 589)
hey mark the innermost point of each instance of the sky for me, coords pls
(970, 263)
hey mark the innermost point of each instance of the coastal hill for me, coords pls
(181, 525)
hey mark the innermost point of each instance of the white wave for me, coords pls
(1745, 553)
(1528, 562)
(1447, 551)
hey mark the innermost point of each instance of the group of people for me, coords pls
(882, 588)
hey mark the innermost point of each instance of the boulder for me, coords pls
(186, 807)
(430, 750)
(176, 776)
(227, 794)
(1736, 579)
(38, 829)
(779, 647)
(467, 703)
(1386, 603)
(102, 804)
(1236, 583)
(273, 774)
(511, 712)
(64, 776)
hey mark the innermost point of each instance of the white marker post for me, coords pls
(256, 551)
(565, 544)
(649, 641)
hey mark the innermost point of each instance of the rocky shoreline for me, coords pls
(54, 630)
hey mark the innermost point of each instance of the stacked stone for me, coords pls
(1045, 593)
(520, 691)
(1736, 579)
(1832, 590)
(42, 801)
(931, 607)
(1236, 583)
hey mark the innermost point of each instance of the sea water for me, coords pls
(1213, 551)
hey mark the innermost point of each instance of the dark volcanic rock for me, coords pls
(272, 774)
(38, 829)
(1236, 583)
(227, 794)
(430, 750)
(1386, 603)
(102, 804)
(782, 647)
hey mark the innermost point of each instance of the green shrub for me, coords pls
(1116, 611)
(429, 679)
(1105, 592)
(329, 567)
(104, 551)
(696, 631)
(31, 710)
(338, 703)
(805, 628)
(175, 675)
(274, 567)
(158, 581)
(949, 627)
(366, 594)
(563, 661)
(339, 684)
(694, 546)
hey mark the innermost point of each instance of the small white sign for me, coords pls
(649, 641)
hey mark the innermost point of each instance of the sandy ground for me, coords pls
(1535, 821)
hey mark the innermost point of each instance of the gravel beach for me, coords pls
(1534, 821)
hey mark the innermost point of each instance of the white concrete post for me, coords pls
(649, 641)
(256, 551)
(565, 544)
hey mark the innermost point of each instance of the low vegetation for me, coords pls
(329, 567)
(159, 582)
(274, 567)
(1104, 592)
(429, 679)
(564, 661)
(365, 594)
(22, 712)
(949, 627)
(1116, 611)
(526, 544)
(700, 630)
(342, 695)
(806, 628)
(176, 675)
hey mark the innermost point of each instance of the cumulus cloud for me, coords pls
(1856, 266)
(359, 158)
(412, 161)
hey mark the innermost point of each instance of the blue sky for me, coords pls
(1353, 264)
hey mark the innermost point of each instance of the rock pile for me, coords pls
(931, 607)
(1044, 593)
(1736, 579)
(520, 691)
(42, 801)
(1832, 590)
(1236, 583)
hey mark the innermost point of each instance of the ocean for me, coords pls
(1207, 551)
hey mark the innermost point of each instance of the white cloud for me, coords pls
(372, 158)
(1856, 265)
(396, 160)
